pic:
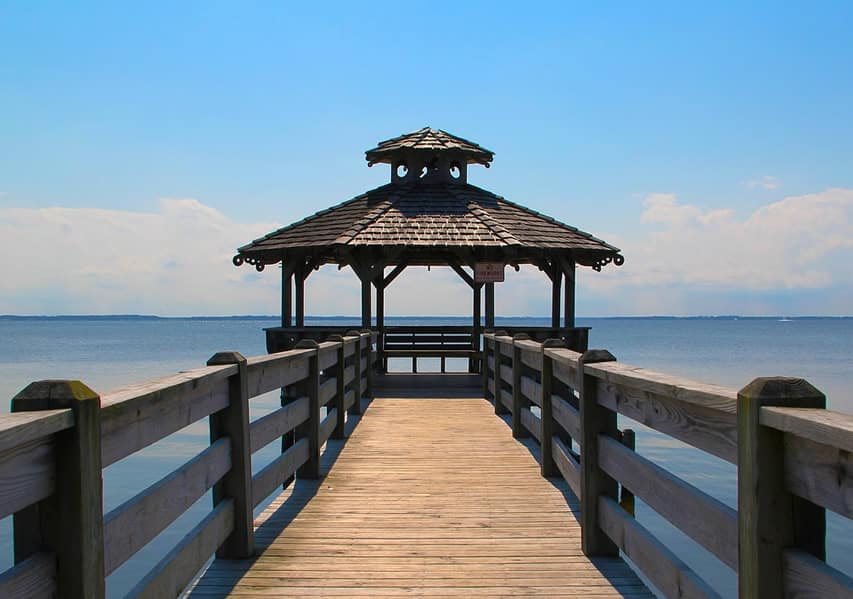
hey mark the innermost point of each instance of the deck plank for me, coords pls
(428, 497)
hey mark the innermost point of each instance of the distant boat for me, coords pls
(785, 319)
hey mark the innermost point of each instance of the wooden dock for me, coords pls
(429, 497)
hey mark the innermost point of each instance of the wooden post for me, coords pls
(595, 420)
(286, 295)
(548, 467)
(487, 351)
(556, 284)
(380, 316)
(70, 522)
(340, 369)
(355, 408)
(518, 400)
(569, 294)
(368, 392)
(490, 305)
(233, 422)
(310, 429)
(626, 497)
(473, 367)
(500, 408)
(300, 277)
(770, 519)
(365, 303)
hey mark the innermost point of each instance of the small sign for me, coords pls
(489, 272)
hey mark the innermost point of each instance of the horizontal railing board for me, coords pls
(505, 348)
(506, 399)
(567, 416)
(564, 365)
(267, 429)
(531, 354)
(806, 576)
(491, 385)
(660, 565)
(676, 500)
(491, 363)
(136, 417)
(506, 374)
(349, 399)
(178, 568)
(706, 428)
(276, 371)
(363, 365)
(280, 469)
(33, 577)
(20, 427)
(328, 388)
(327, 426)
(820, 473)
(327, 354)
(567, 465)
(349, 375)
(27, 475)
(821, 426)
(531, 390)
(132, 525)
(349, 346)
(532, 423)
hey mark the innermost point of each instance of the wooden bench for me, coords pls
(430, 342)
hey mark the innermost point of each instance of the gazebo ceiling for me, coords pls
(428, 214)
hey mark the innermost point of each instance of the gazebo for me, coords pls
(428, 215)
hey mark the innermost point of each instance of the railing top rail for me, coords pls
(146, 389)
(20, 427)
(821, 426)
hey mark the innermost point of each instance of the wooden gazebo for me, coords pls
(428, 215)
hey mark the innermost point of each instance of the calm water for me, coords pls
(109, 353)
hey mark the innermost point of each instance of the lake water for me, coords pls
(107, 353)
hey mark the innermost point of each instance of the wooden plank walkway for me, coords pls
(428, 497)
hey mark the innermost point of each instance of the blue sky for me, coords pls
(140, 144)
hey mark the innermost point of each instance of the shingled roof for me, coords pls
(429, 140)
(430, 215)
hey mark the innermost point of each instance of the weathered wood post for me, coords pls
(595, 420)
(500, 408)
(355, 408)
(770, 518)
(518, 400)
(487, 351)
(548, 467)
(368, 392)
(340, 391)
(310, 429)
(69, 523)
(233, 422)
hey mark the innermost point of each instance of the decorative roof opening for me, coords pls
(429, 156)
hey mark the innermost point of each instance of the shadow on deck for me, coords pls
(424, 498)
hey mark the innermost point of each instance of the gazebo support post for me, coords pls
(286, 294)
(473, 365)
(569, 271)
(379, 283)
(365, 303)
(300, 277)
(490, 305)
(556, 284)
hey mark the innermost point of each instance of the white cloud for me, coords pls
(765, 182)
(801, 243)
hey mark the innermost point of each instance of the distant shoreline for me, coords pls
(151, 317)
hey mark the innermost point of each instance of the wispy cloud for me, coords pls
(765, 182)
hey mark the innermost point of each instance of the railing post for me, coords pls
(626, 497)
(355, 408)
(486, 345)
(548, 467)
(595, 420)
(368, 392)
(70, 522)
(500, 408)
(310, 429)
(233, 422)
(340, 368)
(770, 518)
(518, 401)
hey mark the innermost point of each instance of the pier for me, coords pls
(516, 482)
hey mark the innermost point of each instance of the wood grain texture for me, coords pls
(268, 428)
(567, 416)
(531, 390)
(821, 426)
(662, 567)
(823, 474)
(22, 427)
(424, 498)
(568, 466)
(276, 371)
(26, 475)
(674, 499)
(34, 578)
(135, 417)
(327, 425)
(279, 470)
(178, 568)
(532, 423)
(807, 577)
(130, 526)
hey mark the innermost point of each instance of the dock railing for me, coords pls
(792, 458)
(61, 435)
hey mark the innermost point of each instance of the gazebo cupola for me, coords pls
(429, 215)
(429, 156)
